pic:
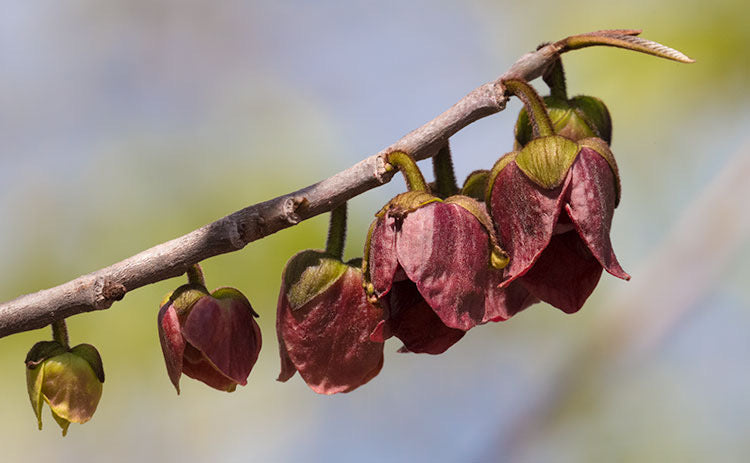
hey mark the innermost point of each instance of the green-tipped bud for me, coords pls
(475, 185)
(69, 380)
(576, 118)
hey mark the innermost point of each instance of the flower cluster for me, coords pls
(438, 261)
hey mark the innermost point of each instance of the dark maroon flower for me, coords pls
(323, 323)
(435, 266)
(553, 203)
(210, 337)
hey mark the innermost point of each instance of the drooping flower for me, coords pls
(553, 203)
(211, 337)
(324, 321)
(69, 380)
(435, 267)
(573, 118)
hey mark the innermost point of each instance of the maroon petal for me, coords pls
(591, 205)
(287, 366)
(501, 303)
(172, 342)
(197, 366)
(227, 334)
(445, 250)
(525, 214)
(328, 339)
(382, 257)
(415, 323)
(565, 274)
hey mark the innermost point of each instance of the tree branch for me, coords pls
(100, 289)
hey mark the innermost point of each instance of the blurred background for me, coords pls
(126, 124)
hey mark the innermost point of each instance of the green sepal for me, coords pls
(407, 202)
(602, 148)
(570, 119)
(577, 118)
(596, 115)
(62, 422)
(366, 284)
(227, 292)
(475, 185)
(41, 351)
(476, 208)
(308, 274)
(546, 160)
(34, 379)
(184, 297)
(90, 355)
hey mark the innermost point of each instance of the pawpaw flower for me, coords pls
(212, 337)
(69, 380)
(553, 203)
(435, 266)
(574, 118)
(323, 323)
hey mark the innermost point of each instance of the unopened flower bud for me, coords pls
(69, 380)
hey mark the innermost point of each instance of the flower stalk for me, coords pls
(445, 176)
(540, 120)
(337, 232)
(60, 333)
(408, 167)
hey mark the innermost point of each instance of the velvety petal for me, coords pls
(225, 331)
(415, 323)
(591, 204)
(444, 249)
(565, 274)
(172, 342)
(197, 366)
(525, 215)
(382, 258)
(328, 339)
(501, 303)
(287, 366)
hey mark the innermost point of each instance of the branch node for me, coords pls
(106, 292)
(498, 90)
(236, 234)
(291, 208)
(383, 170)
